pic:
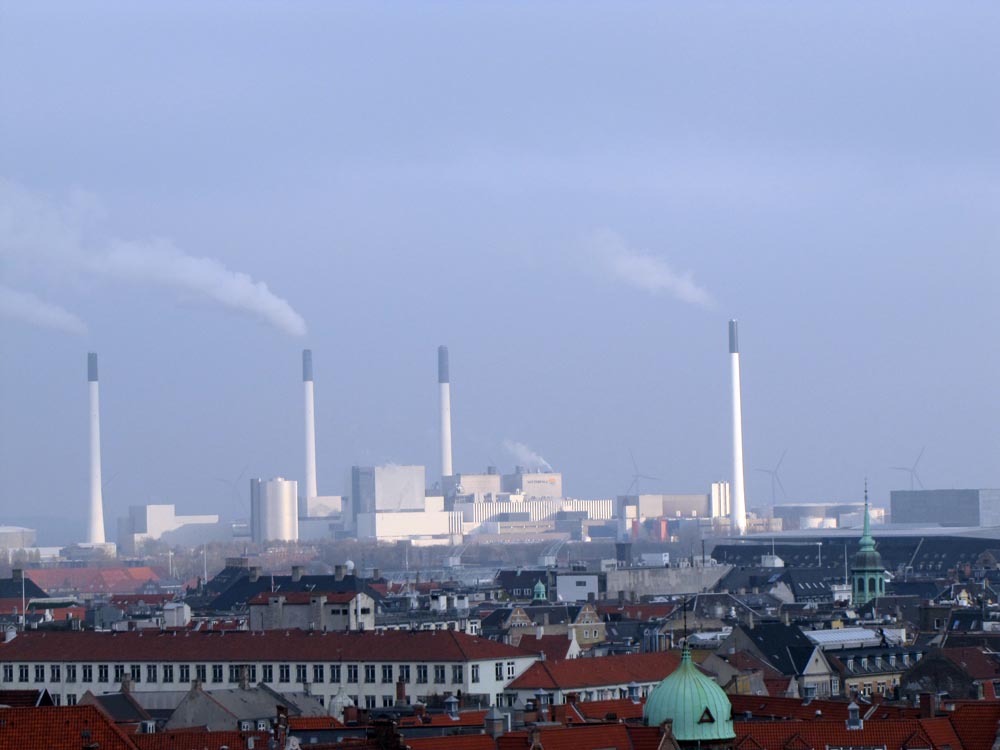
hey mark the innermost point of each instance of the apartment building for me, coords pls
(373, 669)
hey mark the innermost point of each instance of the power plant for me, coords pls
(444, 383)
(95, 514)
(739, 503)
(274, 510)
(310, 415)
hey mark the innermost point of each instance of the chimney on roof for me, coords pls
(854, 720)
(494, 723)
(296, 572)
(376, 574)
(17, 574)
(254, 574)
(338, 572)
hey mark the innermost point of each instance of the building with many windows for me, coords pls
(371, 668)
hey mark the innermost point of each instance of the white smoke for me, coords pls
(48, 238)
(28, 308)
(160, 263)
(525, 456)
(647, 272)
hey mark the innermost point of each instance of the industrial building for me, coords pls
(946, 507)
(274, 510)
(145, 522)
(532, 484)
(795, 516)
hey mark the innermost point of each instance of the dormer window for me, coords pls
(864, 662)
(892, 660)
(706, 717)
(850, 665)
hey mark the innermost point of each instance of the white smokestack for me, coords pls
(445, 386)
(307, 382)
(739, 503)
(95, 512)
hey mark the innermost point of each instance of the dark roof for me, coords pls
(785, 647)
(25, 698)
(239, 589)
(10, 588)
(121, 708)
(240, 646)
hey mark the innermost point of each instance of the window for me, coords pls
(102, 673)
(252, 674)
(216, 673)
(201, 673)
(369, 673)
(56, 699)
(474, 669)
(300, 673)
(499, 670)
(135, 672)
(456, 674)
(119, 672)
(22, 672)
(422, 674)
(318, 675)
(55, 671)
(71, 673)
(150, 673)
(387, 701)
(387, 673)
(404, 672)
(88, 673)
(334, 673)
(8, 672)
(866, 689)
(835, 685)
(510, 670)
(168, 672)
(352, 674)
(369, 701)
(184, 671)
(39, 673)
(439, 674)
(70, 699)
(284, 673)
(268, 672)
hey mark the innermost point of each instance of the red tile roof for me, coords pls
(553, 646)
(572, 674)
(305, 723)
(779, 707)
(976, 725)
(119, 580)
(465, 719)
(452, 742)
(200, 740)
(60, 728)
(978, 664)
(900, 734)
(584, 737)
(621, 709)
(239, 646)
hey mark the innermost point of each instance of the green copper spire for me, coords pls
(867, 573)
(866, 534)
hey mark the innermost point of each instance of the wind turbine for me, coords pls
(912, 470)
(776, 479)
(636, 476)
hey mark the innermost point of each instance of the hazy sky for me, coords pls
(574, 197)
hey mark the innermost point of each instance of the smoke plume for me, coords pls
(159, 263)
(45, 238)
(647, 272)
(28, 308)
(525, 456)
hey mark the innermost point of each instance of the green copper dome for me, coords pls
(540, 591)
(699, 708)
(867, 557)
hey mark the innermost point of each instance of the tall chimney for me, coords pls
(739, 503)
(95, 512)
(307, 382)
(445, 385)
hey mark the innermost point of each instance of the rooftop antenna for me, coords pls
(911, 470)
(776, 479)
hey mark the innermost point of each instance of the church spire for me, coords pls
(866, 534)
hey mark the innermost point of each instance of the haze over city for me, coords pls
(575, 203)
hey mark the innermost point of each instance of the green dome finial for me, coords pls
(540, 591)
(699, 708)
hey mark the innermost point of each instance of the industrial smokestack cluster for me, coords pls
(739, 503)
(95, 510)
(307, 382)
(445, 385)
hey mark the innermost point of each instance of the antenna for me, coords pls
(776, 479)
(912, 470)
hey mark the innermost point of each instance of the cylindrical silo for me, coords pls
(274, 510)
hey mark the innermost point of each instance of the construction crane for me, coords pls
(454, 560)
(548, 557)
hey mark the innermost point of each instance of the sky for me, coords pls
(574, 197)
